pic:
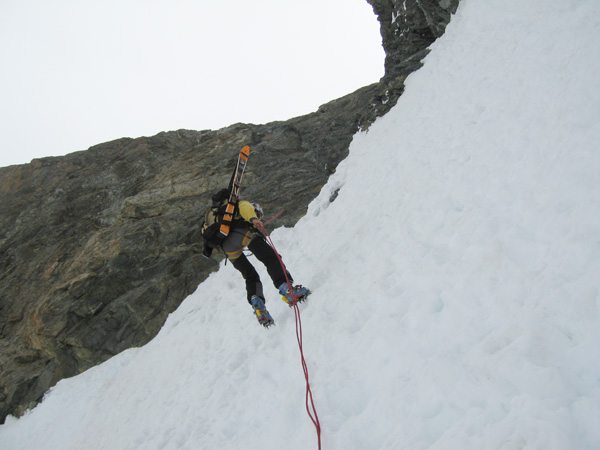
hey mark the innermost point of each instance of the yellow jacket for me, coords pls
(246, 211)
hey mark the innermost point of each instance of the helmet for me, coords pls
(258, 210)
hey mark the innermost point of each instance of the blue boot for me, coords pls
(300, 294)
(260, 311)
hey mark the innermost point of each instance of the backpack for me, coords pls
(218, 218)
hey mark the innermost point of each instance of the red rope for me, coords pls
(310, 404)
(274, 217)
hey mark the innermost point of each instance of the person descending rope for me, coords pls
(245, 233)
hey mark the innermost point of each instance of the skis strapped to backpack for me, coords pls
(234, 190)
(219, 218)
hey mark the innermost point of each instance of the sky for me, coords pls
(465, 314)
(76, 73)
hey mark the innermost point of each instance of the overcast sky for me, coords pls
(76, 73)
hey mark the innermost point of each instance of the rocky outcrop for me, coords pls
(99, 246)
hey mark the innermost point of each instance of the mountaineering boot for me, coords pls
(260, 311)
(300, 293)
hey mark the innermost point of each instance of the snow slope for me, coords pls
(455, 277)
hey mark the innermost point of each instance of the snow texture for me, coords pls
(455, 277)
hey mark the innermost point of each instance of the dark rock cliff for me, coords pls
(99, 246)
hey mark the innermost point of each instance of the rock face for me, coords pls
(99, 246)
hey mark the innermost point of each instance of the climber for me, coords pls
(246, 233)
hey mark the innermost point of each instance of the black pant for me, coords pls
(233, 247)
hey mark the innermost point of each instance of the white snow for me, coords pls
(455, 277)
